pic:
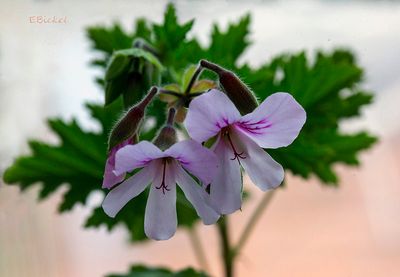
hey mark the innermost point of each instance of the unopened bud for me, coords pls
(118, 64)
(237, 91)
(167, 136)
(128, 125)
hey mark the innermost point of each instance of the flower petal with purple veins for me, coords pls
(208, 114)
(135, 156)
(275, 123)
(160, 221)
(264, 171)
(226, 189)
(195, 158)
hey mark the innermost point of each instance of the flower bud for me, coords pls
(128, 125)
(167, 136)
(237, 91)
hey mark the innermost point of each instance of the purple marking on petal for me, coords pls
(225, 122)
(256, 128)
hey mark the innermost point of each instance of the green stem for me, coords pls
(198, 249)
(227, 253)
(253, 220)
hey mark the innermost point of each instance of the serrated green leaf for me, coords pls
(227, 47)
(107, 40)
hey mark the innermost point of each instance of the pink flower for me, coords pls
(276, 122)
(163, 170)
(109, 177)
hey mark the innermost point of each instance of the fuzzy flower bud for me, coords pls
(167, 136)
(237, 91)
(128, 125)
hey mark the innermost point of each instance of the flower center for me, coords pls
(237, 155)
(163, 186)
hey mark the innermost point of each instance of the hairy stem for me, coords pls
(253, 220)
(198, 249)
(226, 248)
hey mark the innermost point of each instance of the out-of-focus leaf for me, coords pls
(226, 47)
(107, 40)
(143, 271)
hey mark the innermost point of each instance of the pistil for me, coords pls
(163, 186)
(237, 155)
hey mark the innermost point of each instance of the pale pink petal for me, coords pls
(275, 123)
(135, 156)
(109, 177)
(195, 158)
(208, 114)
(117, 198)
(264, 171)
(226, 189)
(197, 196)
(160, 221)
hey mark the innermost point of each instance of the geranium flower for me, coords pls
(276, 122)
(162, 170)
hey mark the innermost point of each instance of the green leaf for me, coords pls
(170, 36)
(107, 40)
(227, 47)
(143, 271)
(77, 161)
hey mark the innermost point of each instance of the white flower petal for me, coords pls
(197, 196)
(195, 158)
(208, 114)
(226, 189)
(275, 123)
(160, 221)
(264, 171)
(135, 156)
(117, 198)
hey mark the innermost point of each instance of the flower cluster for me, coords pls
(210, 178)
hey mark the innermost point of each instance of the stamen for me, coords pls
(237, 156)
(163, 186)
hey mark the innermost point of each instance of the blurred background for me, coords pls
(309, 230)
